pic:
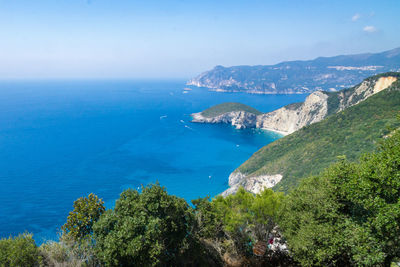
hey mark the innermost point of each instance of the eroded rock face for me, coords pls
(239, 119)
(287, 120)
(254, 184)
(363, 91)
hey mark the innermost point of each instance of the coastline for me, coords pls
(275, 131)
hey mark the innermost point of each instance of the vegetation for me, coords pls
(19, 251)
(349, 214)
(147, 228)
(311, 149)
(235, 223)
(228, 107)
(87, 211)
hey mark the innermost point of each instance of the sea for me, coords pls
(61, 140)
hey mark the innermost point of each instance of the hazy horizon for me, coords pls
(176, 39)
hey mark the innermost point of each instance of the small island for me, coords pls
(239, 115)
(228, 107)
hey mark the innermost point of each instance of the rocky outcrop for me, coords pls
(253, 184)
(239, 119)
(289, 119)
(361, 92)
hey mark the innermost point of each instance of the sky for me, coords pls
(128, 39)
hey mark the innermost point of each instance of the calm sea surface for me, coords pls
(62, 140)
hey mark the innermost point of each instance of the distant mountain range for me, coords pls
(297, 77)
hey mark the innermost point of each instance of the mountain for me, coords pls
(298, 77)
(349, 133)
(288, 119)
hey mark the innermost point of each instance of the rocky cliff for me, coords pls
(239, 119)
(317, 106)
(294, 77)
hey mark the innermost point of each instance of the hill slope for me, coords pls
(323, 73)
(309, 150)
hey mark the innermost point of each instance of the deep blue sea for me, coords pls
(60, 140)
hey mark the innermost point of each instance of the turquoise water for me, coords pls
(62, 140)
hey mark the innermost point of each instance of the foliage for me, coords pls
(228, 107)
(68, 253)
(77, 237)
(208, 223)
(348, 215)
(54, 253)
(19, 251)
(231, 225)
(147, 228)
(313, 148)
(87, 211)
(245, 209)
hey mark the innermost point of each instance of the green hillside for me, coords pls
(311, 149)
(228, 107)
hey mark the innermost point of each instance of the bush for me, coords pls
(231, 225)
(19, 251)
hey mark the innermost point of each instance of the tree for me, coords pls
(87, 211)
(147, 228)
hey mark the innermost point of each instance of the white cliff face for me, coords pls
(239, 119)
(314, 109)
(365, 90)
(254, 184)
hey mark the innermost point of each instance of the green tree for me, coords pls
(19, 251)
(87, 211)
(147, 228)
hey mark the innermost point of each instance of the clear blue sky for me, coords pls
(179, 39)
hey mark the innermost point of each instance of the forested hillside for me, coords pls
(311, 149)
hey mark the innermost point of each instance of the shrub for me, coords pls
(19, 251)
